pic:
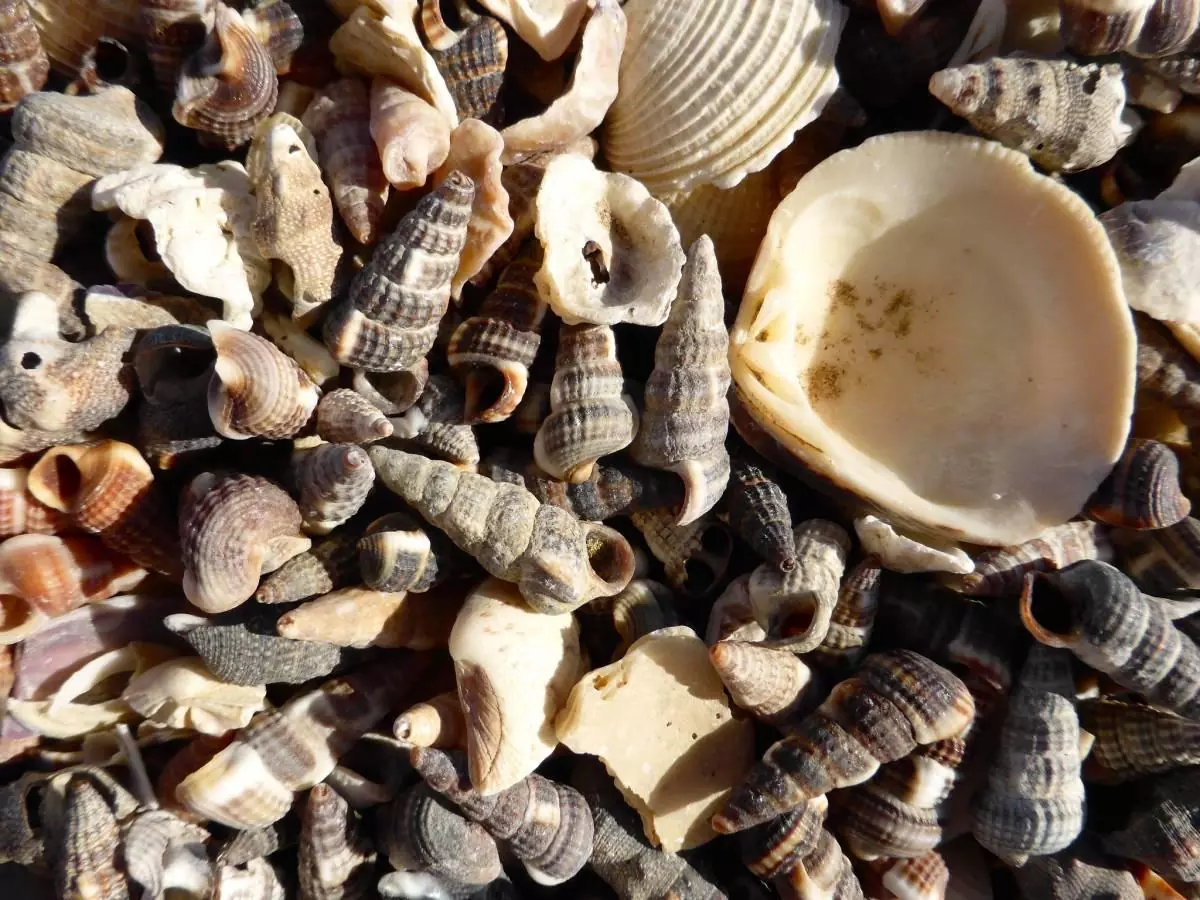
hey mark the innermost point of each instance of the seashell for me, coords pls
(107, 307)
(643, 607)
(202, 221)
(1099, 615)
(672, 144)
(47, 383)
(331, 564)
(252, 781)
(309, 353)
(337, 858)
(510, 698)
(182, 693)
(172, 364)
(393, 393)
(358, 617)
(823, 872)
(421, 831)
(412, 136)
(472, 63)
(925, 877)
(162, 852)
(1081, 872)
(898, 552)
(436, 722)
(21, 512)
(1132, 740)
(345, 416)
(591, 416)
(912, 701)
(533, 409)
(776, 847)
(548, 28)
(339, 117)
(1161, 827)
(1145, 29)
(46, 200)
(695, 557)
(256, 880)
(1001, 572)
(278, 28)
(685, 415)
(475, 149)
(86, 857)
(426, 886)
(557, 562)
(1142, 492)
(434, 424)
(23, 62)
(294, 219)
(389, 319)
(107, 489)
(1163, 560)
(173, 29)
(611, 251)
(1033, 804)
(853, 618)
(258, 843)
(796, 607)
(332, 481)
(830, 410)
(768, 684)
(731, 618)
(1155, 244)
(234, 528)
(1166, 371)
(758, 511)
(229, 84)
(1067, 117)
(396, 554)
(126, 255)
(593, 88)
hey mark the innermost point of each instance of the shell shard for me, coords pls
(390, 317)
(24, 65)
(412, 136)
(1155, 242)
(898, 552)
(912, 701)
(758, 511)
(420, 831)
(1001, 572)
(331, 564)
(337, 858)
(473, 67)
(1164, 560)
(182, 693)
(547, 28)
(768, 684)
(246, 655)
(590, 414)
(695, 557)
(332, 481)
(1132, 740)
(1142, 491)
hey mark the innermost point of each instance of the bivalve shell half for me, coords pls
(866, 344)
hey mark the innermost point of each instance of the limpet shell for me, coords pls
(866, 346)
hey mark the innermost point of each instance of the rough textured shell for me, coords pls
(683, 120)
(472, 64)
(173, 29)
(769, 684)
(412, 137)
(696, 556)
(1142, 491)
(337, 857)
(1081, 872)
(332, 482)
(23, 62)
(1001, 572)
(791, 356)
(1132, 740)
(344, 415)
(420, 831)
(1163, 560)
(1150, 28)
(21, 512)
(86, 857)
(331, 563)
(758, 510)
(1161, 830)
(434, 424)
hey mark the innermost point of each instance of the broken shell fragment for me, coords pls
(548, 28)
(1156, 244)
(360, 617)
(900, 553)
(182, 693)
(833, 293)
(412, 137)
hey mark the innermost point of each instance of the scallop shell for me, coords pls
(790, 363)
(359, 617)
(1142, 492)
(331, 564)
(23, 62)
(612, 253)
(1146, 28)
(337, 856)
(768, 684)
(713, 118)
(332, 481)
(421, 831)
(346, 416)
(436, 722)
(696, 556)
(173, 30)
(1132, 740)
(182, 693)
(900, 553)
(549, 28)
(70, 29)
(228, 85)
(472, 62)
(412, 137)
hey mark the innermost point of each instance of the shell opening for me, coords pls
(14, 613)
(111, 62)
(1047, 611)
(68, 482)
(609, 556)
(594, 255)
(716, 540)
(485, 388)
(799, 621)
(699, 577)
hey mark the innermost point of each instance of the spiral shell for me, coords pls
(1163, 560)
(337, 857)
(21, 512)
(233, 529)
(173, 29)
(825, 871)
(1161, 829)
(1132, 740)
(643, 607)
(346, 416)
(228, 85)
(1000, 572)
(696, 556)
(332, 482)
(758, 511)
(558, 563)
(897, 701)
(69, 29)
(775, 847)
(389, 320)
(23, 62)
(1146, 28)
(396, 554)
(769, 684)
(436, 722)
(472, 62)
(421, 831)
(853, 618)
(86, 862)
(1166, 371)
(359, 617)
(331, 563)
(412, 137)
(1142, 492)
(434, 424)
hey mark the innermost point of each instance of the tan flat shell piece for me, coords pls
(935, 327)
(182, 693)
(901, 553)
(548, 26)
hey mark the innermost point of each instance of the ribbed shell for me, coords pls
(434, 424)
(23, 62)
(1142, 491)
(233, 529)
(924, 877)
(337, 858)
(1163, 829)
(897, 701)
(173, 29)
(768, 684)
(823, 872)
(1150, 28)
(853, 617)
(775, 847)
(332, 483)
(69, 28)
(1166, 371)
(1000, 572)
(1132, 740)
(1164, 560)
(421, 831)
(695, 557)
(86, 864)
(396, 554)
(330, 564)
(390, 318)
(278, 28)
(157, 840)
(1081, 873)
(241, 654)
(644, 606)
(758, 511)
(473, 67)
(21, 512)
(347, 416)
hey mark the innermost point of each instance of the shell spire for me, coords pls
(333, 481)
(758, 511)
(1142, 491)
(337, 858)
(769, 684)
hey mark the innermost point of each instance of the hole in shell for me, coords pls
(699, 577)
(1050, 607)
(112, 62)
(716, 540)
(595, 257)
(30, 360)
(143, 232)
(609, 555)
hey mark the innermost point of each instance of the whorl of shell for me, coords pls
(1161, 827)
(1098, 614)
(346, 416)
(758, 511)
(825, 871)
(1033, 803)
(775, 847)
(279, 28)
(896, 702)
(547, 825)
(436, 722)
(685, 415)
(1001, 571)
(795, 607)
(1081, 873)
(107, 489)
(361, 617)
(1166, 371)
(340, 117)
(472, 62)
(173, 29)
(496, 346)
(229, 84)
(256, 390)
(1067, 117)
(389, 320)
(853, 618)
(412, 137)
(695, 557)
(337, 857)
(396, 554)
(250, 654)
(591, 416)
(1145, 28)
(420, 831)
(24, 65)
(644, 606)
(86, 858)
(558, 563)
(769, 684)
(332, 482)
(257, 879)
(434, 424)
(21, 512)
(1164, 560)
(331, 564)
(161, 852)
(1142, 492)
(1133, 740)
(233, 529)
(251, 782)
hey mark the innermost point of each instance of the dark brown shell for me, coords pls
(999, 572)
(420, 830)
(1164, 560)
(1142, 492)
(758, 510)
(1133, 740)
(173, 30)
(1163, 830)
(1149, 28)
(473, 67)
(853, 618)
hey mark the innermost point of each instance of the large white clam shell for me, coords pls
(939, 329)
(712, 90)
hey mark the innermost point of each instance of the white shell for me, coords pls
(901, 553)
(182, 693)
(548, 26)
(934, 326)
(714, 89)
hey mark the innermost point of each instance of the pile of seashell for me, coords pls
(371, 522)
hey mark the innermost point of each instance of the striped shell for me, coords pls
(769, 684)
(1164, 560)
(472, 63)
(1132, 740)
(332, 482)
(396, 554)
(337, 856)
(330, 564)
(695, 557)
(1146, 28)
(1142, 491)
(758, 511)
(174, 29)
(21, 512)
(1000, 572)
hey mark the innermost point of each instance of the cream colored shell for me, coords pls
(941, 330)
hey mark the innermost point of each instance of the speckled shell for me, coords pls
(233, 529)
(853, 618)
(695, 557)
(1163, 560)
(897, 701)
(1098, 614)
(332, 482)
(229, 85)
(337, 857)
(768, 684)
(758, 511)
(1132, 740)
(173, 29)
(557, 562)
(1142, 492)
(1150, 28)
(344, 415)
(252, 781)
(21, 512)
(1161, 829)
(389, 319)
(23, 62)
(412, 137)
(396, 554)
(496, 347)
(361, 617)
(1000, 572)
(547, 825)
(590, 415)
(472, 62)
(330, 564)
(86, 859)
(434, 424)
(421, 831)
(436, 722)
